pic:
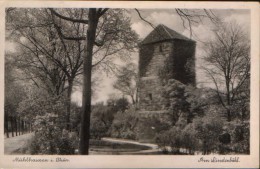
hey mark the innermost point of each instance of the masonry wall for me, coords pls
(152, 59)
(172, 59)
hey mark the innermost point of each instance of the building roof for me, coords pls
(162, 33)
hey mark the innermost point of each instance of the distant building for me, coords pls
(164, 54)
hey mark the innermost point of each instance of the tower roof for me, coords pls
(162, 33)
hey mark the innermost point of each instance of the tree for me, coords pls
(118, 104)
(208, 129)
(14, 94)
(126, 81)
(44, 56)
(123, 40)
(228, 65)
(103, 114)
(125, 124)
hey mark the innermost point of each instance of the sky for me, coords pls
(201, 33)
(169, 17)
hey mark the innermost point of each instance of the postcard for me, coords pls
(129, 84)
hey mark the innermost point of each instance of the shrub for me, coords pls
(97, 128)
(189, 141)
(208, 130)
(240, 134)
(48, 137)
(124, 124)
(150, 127)
(170, 141)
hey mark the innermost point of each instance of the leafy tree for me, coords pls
(104, 115)
(120, 34)
(126, 81)
(185, 101)
(43, 55)
(170, 138)
(97, 128)
(208, 130)
(14, 94)
(228, 66)
(125, 124)
(118, 104)
(189, 139)
(49, 138)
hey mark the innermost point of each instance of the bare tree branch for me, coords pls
(68, 18)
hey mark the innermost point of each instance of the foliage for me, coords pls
(200, 135)
(102, 116)
(14, 91)
(48, 137)
(240, 136)
(208, 130)
(97, 128)
(126, 81)
(39, 103)
(184, 101)
(171, 138)
(118, 104)
(189, 139)
(175, 98)
(124, 124)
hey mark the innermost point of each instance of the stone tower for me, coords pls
(164, 54)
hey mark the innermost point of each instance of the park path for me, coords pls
(153, 147)
(12, 144)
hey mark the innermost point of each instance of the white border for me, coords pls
(138, 161)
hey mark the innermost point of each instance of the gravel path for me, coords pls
(12, 144)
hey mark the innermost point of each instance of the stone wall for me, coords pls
(176, 59)
(150, 93)
(150, 83)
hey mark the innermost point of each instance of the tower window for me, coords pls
(150, 96)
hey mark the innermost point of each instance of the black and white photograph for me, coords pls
(128, 81)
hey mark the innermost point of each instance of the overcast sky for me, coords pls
(173, 21)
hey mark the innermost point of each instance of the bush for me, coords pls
(189, 139)
(48, 137)
(150, 127)
(200, 135)
(125, 124)
(240, 134)
(170, 141)
(97, 129)
(208, 130)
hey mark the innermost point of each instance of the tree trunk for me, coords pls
(22, 127)
(86, 97)
(15, 122)
(30, 127)
(19, 125)
(25, 127)
(12, 125)
(70, 81)
(6, 125)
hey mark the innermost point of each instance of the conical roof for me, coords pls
(162, 33)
